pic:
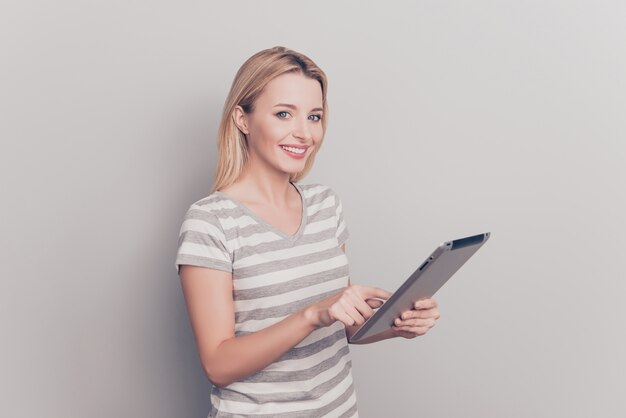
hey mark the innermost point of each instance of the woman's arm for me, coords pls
(226, 358)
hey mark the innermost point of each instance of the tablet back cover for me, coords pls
(446, 260)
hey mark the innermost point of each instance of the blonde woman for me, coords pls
(262, 258)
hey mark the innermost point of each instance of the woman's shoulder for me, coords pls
(316, 193)
(214, 205)
(316, 189)
(213, 200)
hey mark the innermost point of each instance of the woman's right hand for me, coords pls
(352, 306)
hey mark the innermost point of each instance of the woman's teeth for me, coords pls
(294, 150)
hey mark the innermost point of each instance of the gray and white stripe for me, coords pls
(274, 276)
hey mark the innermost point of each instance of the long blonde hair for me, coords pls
(249, 82)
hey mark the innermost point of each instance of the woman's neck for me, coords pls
(263, 187)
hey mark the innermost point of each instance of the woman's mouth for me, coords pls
(294, 152)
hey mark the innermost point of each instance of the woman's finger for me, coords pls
(367, 292)
(349, 309)
(340, 315)
(420, 313)
(374, 303)
(365, 310)
(428, 303)
(417, 322)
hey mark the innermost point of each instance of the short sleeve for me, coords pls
(342, 232)
(201, 241)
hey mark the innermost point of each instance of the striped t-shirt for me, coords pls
(274, 275)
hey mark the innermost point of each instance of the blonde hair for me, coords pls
(249, 82)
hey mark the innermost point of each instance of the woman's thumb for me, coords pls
(374, 303)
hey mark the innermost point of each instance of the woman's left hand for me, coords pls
(418, 320)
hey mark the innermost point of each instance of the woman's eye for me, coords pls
(283, 115)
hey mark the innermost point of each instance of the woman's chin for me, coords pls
(293, 171)
(293, 168)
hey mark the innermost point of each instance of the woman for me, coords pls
(262, 258)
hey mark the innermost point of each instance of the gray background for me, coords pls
(447, 118)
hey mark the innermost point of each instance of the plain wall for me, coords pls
(447, 119)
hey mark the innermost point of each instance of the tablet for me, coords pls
(447, 258)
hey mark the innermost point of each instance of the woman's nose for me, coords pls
(302, 129)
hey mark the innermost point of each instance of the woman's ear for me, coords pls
(239, 116)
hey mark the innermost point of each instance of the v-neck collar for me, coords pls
(269, 226)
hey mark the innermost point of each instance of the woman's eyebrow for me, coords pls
(317, 109)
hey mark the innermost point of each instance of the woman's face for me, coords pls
(285, 126)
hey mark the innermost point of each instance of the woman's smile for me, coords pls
(295, 151)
